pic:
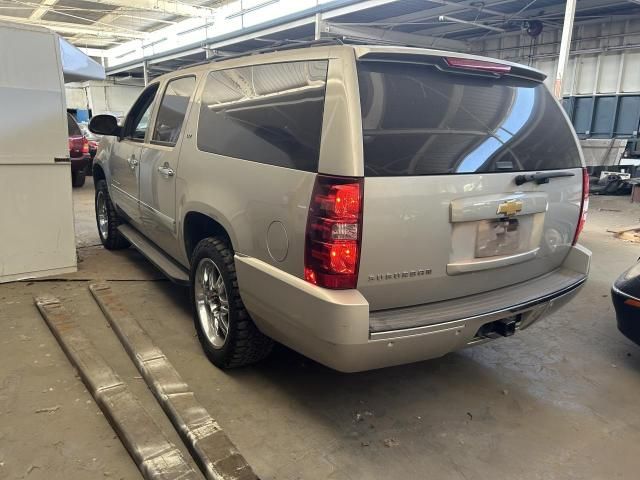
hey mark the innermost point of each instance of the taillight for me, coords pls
(472, 64)
(632, 302)
(85, 146)
(334, 231)
(584, 205)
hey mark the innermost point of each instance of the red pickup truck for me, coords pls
(78, 152)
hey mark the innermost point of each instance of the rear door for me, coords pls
(125, 155)
(159, 164)
(445, 214)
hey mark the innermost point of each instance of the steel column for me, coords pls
(145, 72)
(318, 26)
(565, 46)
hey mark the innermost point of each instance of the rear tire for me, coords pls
(107, 219)
(226, 332)
(78, 177)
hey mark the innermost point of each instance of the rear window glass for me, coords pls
(266, 113)
(418, 120)
(72, 126)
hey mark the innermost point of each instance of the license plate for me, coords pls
(497, 237)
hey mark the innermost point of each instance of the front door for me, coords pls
(159, 164)
(125, 157)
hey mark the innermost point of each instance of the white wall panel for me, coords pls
(609, 70)
(104, 97)
(76, 96)
(631, 74)
(588, 64)
(548, 66)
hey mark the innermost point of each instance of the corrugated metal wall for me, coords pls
(605, 55)
(602, 82)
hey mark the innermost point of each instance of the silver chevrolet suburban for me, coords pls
(366, 206)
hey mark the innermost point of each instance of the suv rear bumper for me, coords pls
(335, 327)
(79, 163)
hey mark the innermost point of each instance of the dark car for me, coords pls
(78, 152)
(626, 300)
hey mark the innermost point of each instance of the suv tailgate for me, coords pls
(443, 215)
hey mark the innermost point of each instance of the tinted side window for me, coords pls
(173, 110)
(72, 125)
(265, 113)
(418, 120)
(142, 124)
(137, 121)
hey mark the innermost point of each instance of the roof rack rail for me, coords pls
(277, 46)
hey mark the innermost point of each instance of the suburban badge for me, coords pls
(396, 275)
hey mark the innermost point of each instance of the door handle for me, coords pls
(166, 170)
(133, 163)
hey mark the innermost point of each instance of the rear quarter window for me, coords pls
(418, 120)
(269, 114)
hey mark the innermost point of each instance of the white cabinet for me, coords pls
(36, 210)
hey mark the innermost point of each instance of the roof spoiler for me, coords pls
(451, 62)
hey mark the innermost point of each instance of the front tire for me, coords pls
(226, 332)
(107, 219)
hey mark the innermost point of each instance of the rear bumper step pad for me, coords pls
(155, 456)
(216, 455)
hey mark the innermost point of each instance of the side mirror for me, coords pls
(105, 125)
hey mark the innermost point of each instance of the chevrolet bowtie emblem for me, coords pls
(510, 207)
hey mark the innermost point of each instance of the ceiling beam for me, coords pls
(446, 9)
(109, 18)
(105, 19)
(72, 28)
(447, 18)
(168, 7)
(472, 6)
(44, 7)
(391, 36)
(532, 14)
(95, 52)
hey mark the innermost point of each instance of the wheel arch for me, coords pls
(98, 173)
(197, 226)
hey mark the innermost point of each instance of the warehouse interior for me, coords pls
(103, 369)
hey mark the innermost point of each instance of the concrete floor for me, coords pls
(558, 401)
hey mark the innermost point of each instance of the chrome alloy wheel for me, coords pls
(103, 215)
(212, 303)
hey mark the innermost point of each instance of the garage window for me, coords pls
(270, 114)
(172, 111)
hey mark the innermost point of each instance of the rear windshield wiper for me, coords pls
(541, 177)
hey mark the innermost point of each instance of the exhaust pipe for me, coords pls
(505, 328)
